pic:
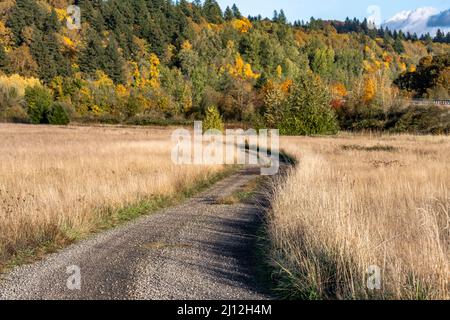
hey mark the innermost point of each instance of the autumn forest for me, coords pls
(151, 62)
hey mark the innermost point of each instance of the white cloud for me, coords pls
(415, 21)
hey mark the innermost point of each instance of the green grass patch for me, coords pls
(243, 194)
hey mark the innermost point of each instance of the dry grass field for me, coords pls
(353, 201)
(59, 184)
(359, 201)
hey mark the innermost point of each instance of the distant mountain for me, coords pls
(420, 21)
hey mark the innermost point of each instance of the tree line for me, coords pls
(133, 60)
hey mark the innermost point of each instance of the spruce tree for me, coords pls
(212, 11)
(48, 56)
(228, 15)
(91, 56)
(24, 13)
(282, 17)
(236, 13)
(398, 45)
(113, 62)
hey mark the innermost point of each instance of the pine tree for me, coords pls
(236, 12)
(48, 56)
(185, 8)
(91, 56)
(398, 45)
(212, 11)
(228, 15)
(51, 23)
(113, 62)
(282, 17)
(25, 13)
(275, 16)
(440, 36)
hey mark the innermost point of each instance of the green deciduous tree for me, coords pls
(39, 102)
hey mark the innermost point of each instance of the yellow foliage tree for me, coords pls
(153, 81)
(339, 90)
(5, 35)
(242, 70)
(242, 25)
(370, 90)
(17, 83)
(279, 72)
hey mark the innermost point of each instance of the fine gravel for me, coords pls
(199, 249)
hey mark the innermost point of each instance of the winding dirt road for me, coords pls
(197, 250)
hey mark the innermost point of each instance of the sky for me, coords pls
(331, 9)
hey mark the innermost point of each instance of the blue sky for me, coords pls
(331, 9)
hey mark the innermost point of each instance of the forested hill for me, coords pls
(160, 59)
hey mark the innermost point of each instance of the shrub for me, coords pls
(39, 103)
(18, 83)
(58, 115)
(423, 120)
(213, 120)
(131, 107)
(307, 111)
(15, 114)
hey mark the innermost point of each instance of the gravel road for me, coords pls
(197, 250)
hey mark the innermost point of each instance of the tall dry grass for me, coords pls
(359, 201)
(59, 182)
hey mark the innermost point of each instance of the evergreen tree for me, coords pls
(275, 16)
(282, 17)
(236, 12)
(228, 15)
(91, 56)
(48, 56)
(51, 23)
(440, 36)
(113, 62)
(185, 8)
(212, 11)
(398, 45)
(25, 13)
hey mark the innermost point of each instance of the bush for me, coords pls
(307, 111)
(414, 119)
(131, 107)
(15, 114)
(58, 115)
(422, 120)
(361, 117)
(39, 102)
(213, 120)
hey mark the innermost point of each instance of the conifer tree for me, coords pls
(113, 62)
(212, 11)
(91, 56)
(228, 15)
(236, 13)
(24, 13)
